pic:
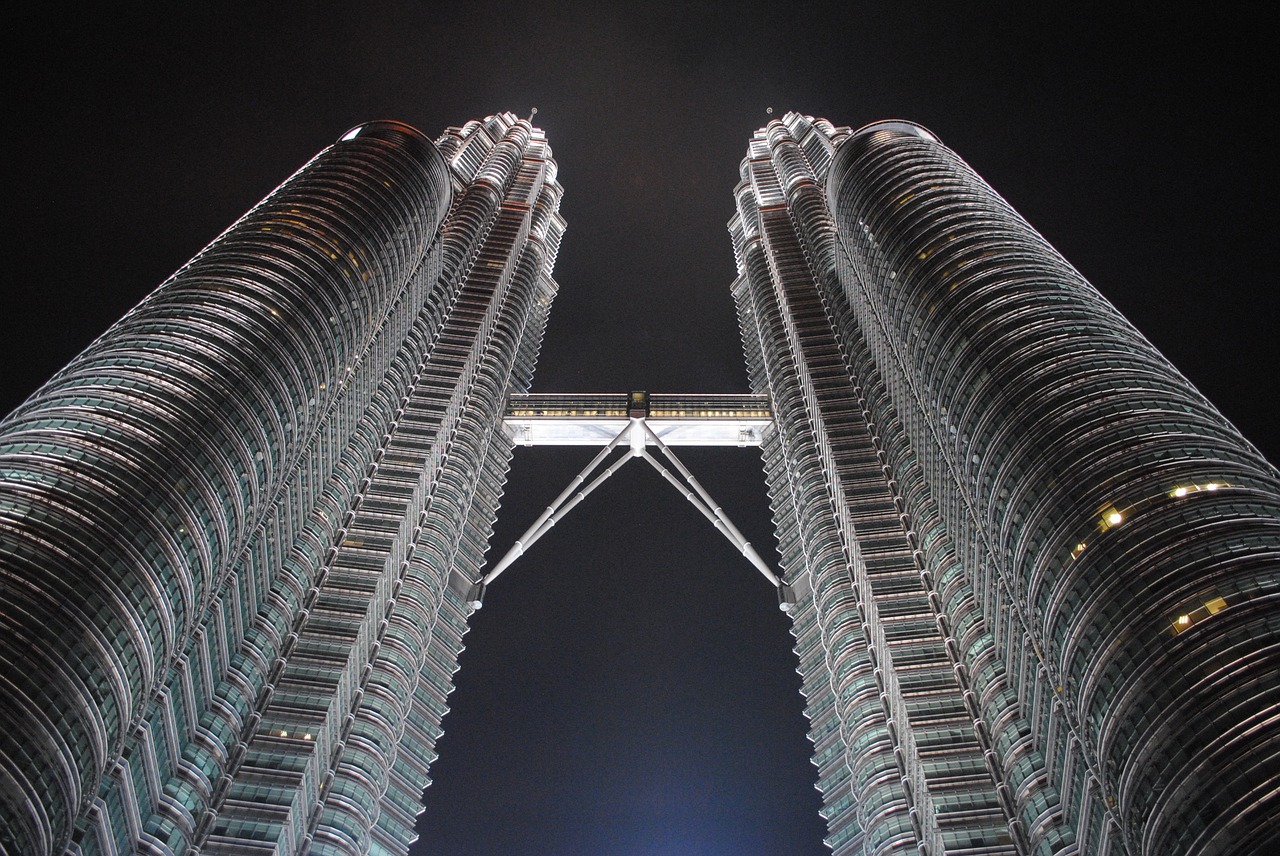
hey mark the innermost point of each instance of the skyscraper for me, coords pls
(1032, 572)
(238, 531)
(1035, 571)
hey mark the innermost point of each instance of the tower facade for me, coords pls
(1035, 570)
(238, 531)
(1032, 572)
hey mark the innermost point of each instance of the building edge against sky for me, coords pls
(1036, 571)
(239, 529)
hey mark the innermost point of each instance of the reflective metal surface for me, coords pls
(238, 530)
(1034, 568)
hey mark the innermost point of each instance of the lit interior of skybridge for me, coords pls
(575, 419)
(635, 422)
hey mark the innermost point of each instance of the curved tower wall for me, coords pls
(1035, 569)
(1119, 534)
(236, 575)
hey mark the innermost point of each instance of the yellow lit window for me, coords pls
(1187, 489)
(1111, 517)
(1195, 614)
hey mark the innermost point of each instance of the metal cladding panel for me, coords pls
(254, 498)
(1116, 534)
(996, 500)
(899, 764)
(133, 481)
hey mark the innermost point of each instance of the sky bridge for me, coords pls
(635, 421)
(590, 419)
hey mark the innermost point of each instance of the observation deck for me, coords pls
(589, 419)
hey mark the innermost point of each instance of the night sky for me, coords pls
(629, 686)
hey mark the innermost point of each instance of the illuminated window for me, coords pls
(1195, 614)
(1111, 517)
(1183, 490)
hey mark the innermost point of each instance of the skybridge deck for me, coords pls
(576, 419)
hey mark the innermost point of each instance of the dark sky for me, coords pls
(629, 686)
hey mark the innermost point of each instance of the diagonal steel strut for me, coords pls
(707, 505)
(549, 518)
(690, 488)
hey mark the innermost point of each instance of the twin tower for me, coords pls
(1033, 574)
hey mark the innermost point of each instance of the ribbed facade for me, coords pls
(1036, 571)
(238, 530)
